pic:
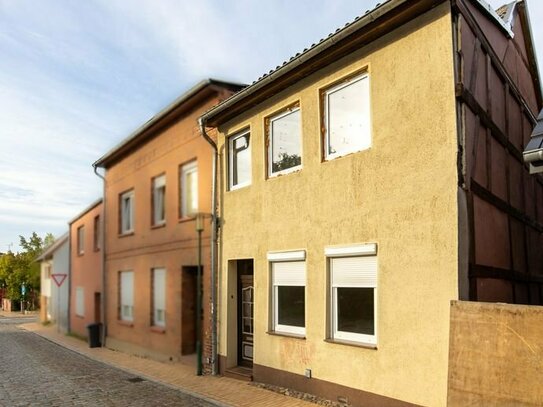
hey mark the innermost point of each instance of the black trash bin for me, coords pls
(94, 335)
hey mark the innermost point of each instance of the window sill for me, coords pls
(333, 157)
(283, 173)
(158, 329)
(186, 219)
(126, 323)
(364, 345)
(158, 226)
(238, 187)
(286, 334)
(125, 234)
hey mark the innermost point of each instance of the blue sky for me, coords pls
(76, 77)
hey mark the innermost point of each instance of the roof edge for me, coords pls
(51, 249)
(86, 210)
(126, 144)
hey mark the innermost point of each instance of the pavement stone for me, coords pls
(176, 376)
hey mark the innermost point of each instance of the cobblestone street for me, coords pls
(36, 372)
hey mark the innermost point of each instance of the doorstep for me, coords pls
(239, 373)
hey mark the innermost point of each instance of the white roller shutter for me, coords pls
(127, 288)
(159, 288)
(288, 273)
(354, 271)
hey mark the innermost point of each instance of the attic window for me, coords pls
(346, 117)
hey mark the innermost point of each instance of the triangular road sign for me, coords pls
(59, 278)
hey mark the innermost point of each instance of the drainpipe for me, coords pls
(103, 259)
(214, 228)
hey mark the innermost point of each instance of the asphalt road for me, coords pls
(36, 372)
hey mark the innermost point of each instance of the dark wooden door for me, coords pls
(188, 310)
(245, 313)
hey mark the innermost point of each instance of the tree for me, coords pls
(19, 268)
(286, 161)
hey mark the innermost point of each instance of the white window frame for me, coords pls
(186, 170)
(80, 301)
(159, 304)
(129, 195)
(286, 258)
(81, 240)
(126, 298)
(159, 184)
(279, 116)
(369, 253)
(231, 140)
(327, 93)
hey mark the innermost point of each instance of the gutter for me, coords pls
(103, 259)
(214, 247)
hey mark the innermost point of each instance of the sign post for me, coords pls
(58, 279)
(23, 292)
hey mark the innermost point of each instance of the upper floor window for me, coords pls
(189, 189)
(239, 157)
(126, 209)
(159, 204)
(346, 117)
(97, 233)
(80, 240)
(284, 141)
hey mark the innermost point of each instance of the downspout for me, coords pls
(214, 228)
(103, 259)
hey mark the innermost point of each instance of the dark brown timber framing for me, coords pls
(498, 95)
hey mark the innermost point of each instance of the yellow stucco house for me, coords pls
(348, 219)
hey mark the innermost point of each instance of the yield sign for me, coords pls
(59, 278)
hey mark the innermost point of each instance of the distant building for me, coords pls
(155, 182)
(86, 268)
(55, 282)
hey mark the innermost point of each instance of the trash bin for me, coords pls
(94, 335)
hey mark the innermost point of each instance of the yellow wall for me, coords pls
(401, 194)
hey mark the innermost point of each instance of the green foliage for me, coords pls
(286, 161)
(19, 268)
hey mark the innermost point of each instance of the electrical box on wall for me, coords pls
(308, 373)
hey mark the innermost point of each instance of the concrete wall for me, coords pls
(172, 246)
(496, 354)
(400, 194)
(86, 271)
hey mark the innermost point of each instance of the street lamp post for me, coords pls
(199, 229)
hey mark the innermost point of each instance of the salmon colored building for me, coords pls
(86, 268)
(154, 183)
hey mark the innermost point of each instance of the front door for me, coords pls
(245, 312)
(188, 310)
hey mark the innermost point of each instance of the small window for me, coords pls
(159, 204)
(126, 209)
(80, 301)
(239, 157)
(353, 287)
(126, 295)
(189, 189)
(97, 236)
(347, 117)
(288, 296)
(80, 240)
(159, 297)
(284, 142)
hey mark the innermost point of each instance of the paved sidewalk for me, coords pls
(221, 390)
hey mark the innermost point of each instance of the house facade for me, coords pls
(86, 269)
(55, 283)
(155, 182)
(345, 231)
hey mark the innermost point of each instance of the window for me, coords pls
(284, 142)
(126, 206)
(80, 240)
(189, 189)
(158, 204)
(346, 120)
(353, 288)
(288, 291)
(80, 301)
(126, 300)
(239, 157)
(96, 233)
(159, 297)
